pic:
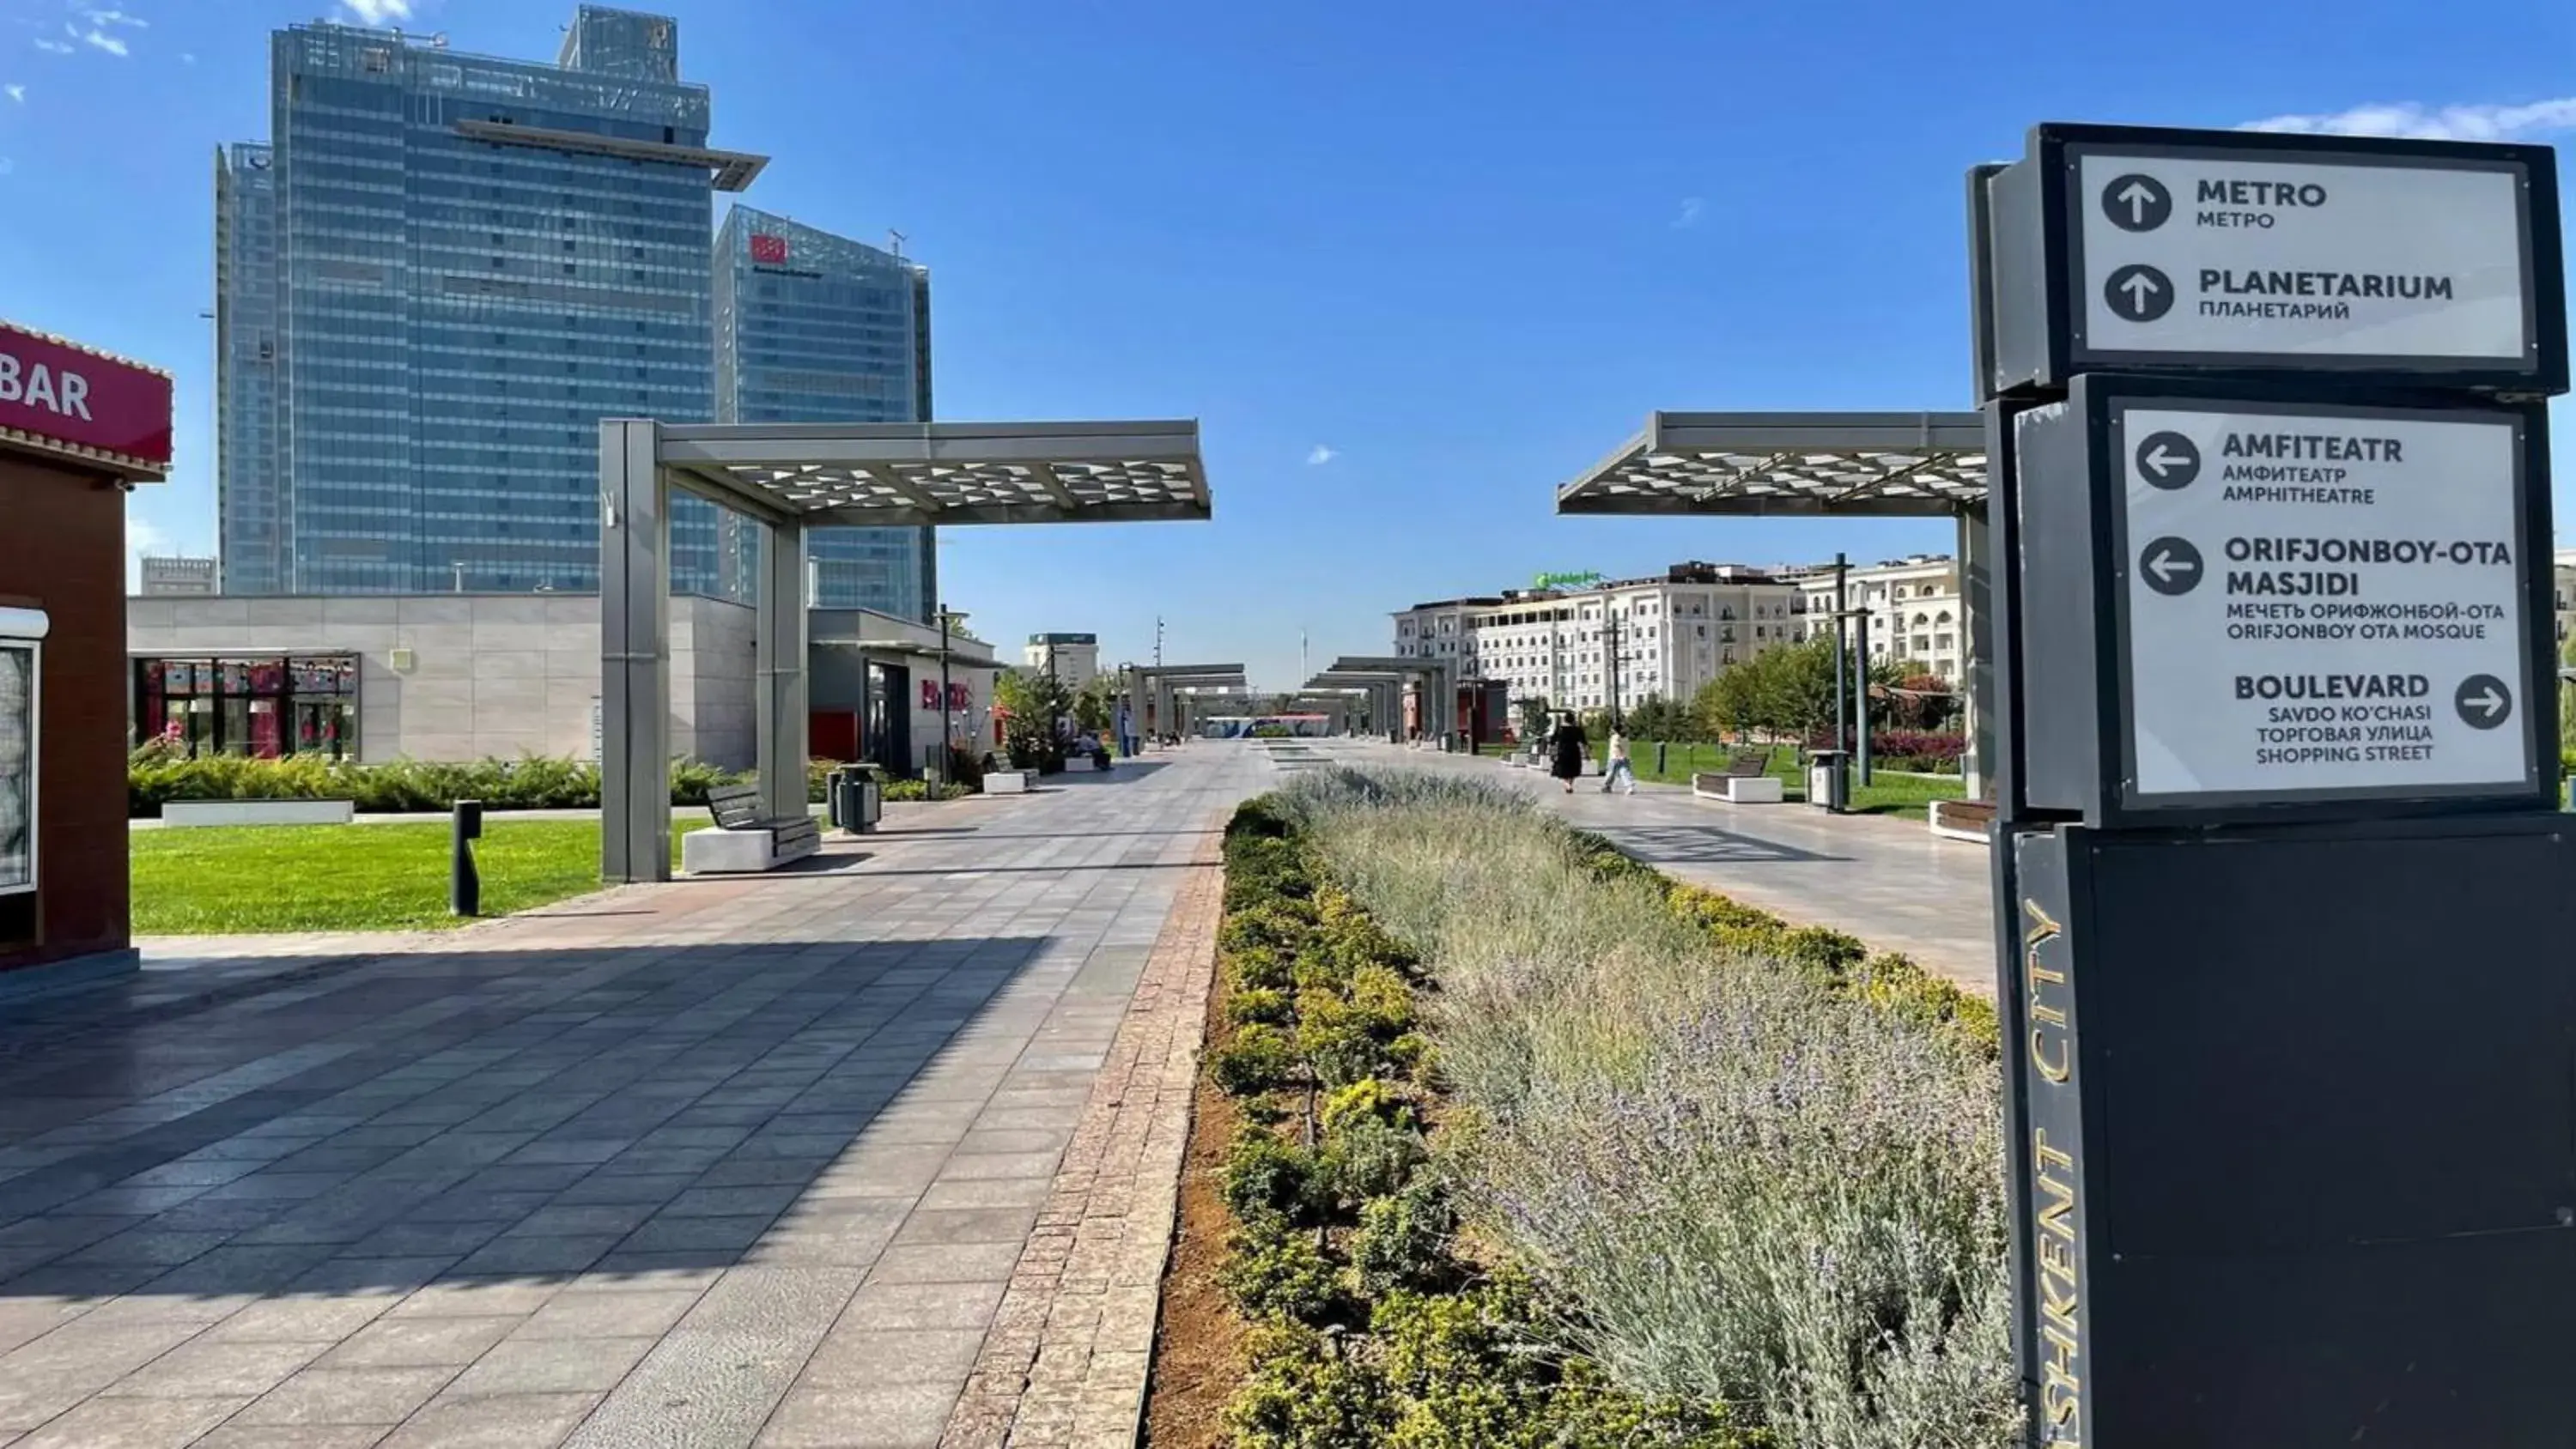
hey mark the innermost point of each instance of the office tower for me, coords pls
(812, 327)
(474, 260)
(252, 539)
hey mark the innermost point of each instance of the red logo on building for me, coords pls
(765, 248)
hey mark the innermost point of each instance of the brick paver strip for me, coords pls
(1064, 1364)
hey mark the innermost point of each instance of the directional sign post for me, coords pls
(2282, 897)
(2294, 593)
(2131, 249)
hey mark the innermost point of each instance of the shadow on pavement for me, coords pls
(1700, 845)
(379, 1123)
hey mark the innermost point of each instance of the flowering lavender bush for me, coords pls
(1737, 1178)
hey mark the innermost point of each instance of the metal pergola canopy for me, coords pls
(1757, 465)
(889, 475)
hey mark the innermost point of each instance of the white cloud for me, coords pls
(55, 47)
(2417, 121)
(1691, 207)
(377, 12)
(94, 37)
(1318, 455)
(143, 539)
(116, 17)
(16, 93)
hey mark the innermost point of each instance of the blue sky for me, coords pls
(1412, 265)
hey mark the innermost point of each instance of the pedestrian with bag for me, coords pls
(1618, 768)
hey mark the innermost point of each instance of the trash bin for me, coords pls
(1828, 781)
(855, 795)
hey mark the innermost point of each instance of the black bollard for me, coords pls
(1659, 759)
(464, 883)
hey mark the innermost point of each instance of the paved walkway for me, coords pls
(1890, 882)
(875, 1154)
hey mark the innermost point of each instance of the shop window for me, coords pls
(265, 707)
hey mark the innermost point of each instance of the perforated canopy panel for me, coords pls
(1906, 465)
(879, 475)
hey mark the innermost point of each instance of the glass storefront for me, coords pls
(266, 706)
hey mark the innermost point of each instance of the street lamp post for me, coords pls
(947, 715)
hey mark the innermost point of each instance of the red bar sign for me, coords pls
(73, 398)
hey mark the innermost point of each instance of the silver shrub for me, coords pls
(1738, 1186)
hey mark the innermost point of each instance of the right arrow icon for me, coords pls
(2483, 701)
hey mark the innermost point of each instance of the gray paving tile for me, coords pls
(892, 1416)
(206, 1368)
(554, 1366)
(947, 1263)
(595, 1313)
(160, 1423)
(320, 1320)
(860, 1358)
(348, 1396)
(790, 1301)
(923, 1305)
(967, 1225)
(293, 1436)
(498, 1421)
(696, 1388)
(568, 1254)
(420, 1341)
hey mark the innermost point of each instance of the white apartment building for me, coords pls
(1916, 613)
(1670, 635)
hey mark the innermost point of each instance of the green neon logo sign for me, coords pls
(1553, 581)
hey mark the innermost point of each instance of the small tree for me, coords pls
(1033, 702)
(1096, 705)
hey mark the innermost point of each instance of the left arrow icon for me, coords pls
(2170, 566)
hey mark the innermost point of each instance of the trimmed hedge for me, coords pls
(1371, 1327)
(535, 782)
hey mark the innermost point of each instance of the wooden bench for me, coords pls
(1962, 819)
(1747, 780)
(744, 841)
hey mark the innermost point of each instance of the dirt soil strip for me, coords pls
(1064, 1364)
(1198, 1352)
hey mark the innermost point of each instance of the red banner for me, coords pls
(767, 248)
(63, 395)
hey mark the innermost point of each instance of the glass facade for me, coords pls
(453, 315)
(249, 505)
(263, 706)
(809, 328)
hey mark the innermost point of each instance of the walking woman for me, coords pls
(1568, 743)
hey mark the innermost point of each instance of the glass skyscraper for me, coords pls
(812, 327)
(450, 269)
(247, 472)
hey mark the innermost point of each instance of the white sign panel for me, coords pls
(2216, 255)
(2322, 603)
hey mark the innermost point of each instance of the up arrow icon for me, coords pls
(2139, 293)
(2137, 202)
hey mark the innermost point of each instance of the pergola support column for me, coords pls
(780, 745)
(1976, 688)
(634, 655)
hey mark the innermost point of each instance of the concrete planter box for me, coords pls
(1006, 782)
(1962, 819)
(1738, 789)
(177, 814)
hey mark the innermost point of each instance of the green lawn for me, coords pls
(1906, 795)
(255, 878)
